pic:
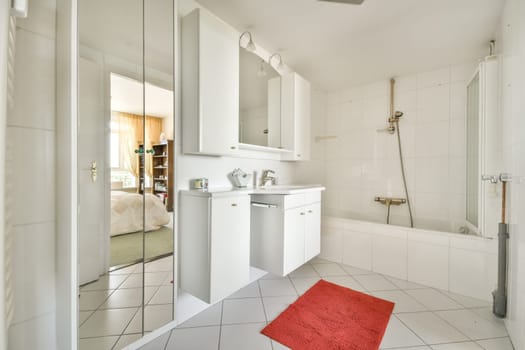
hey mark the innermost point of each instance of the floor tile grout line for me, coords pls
(264, 308)
(411, 330)
(459, 342)
(357, 281)
(451, 325)
(91, 314)
(294, 287)
(98, 307)
(220, 326)
(414, 299)
(168, 340)
(131, 307)
(127, 325)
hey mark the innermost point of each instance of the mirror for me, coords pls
(159, 29)
(126, 170)
(259, 101)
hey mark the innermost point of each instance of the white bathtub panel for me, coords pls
(389, 230)
(389, 255)
(468, 273)
(429, 237)
(331, 222)
(428, 264)
(359, 226)
(357, 249)
(332, 244)
(475, 243)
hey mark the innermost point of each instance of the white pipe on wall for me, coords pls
(4, 44)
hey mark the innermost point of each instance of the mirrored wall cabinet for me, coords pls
(234, 101)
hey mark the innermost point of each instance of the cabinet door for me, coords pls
(230, 245)
(219, 86)
(312, 244)
(295, 119)
(302, 110)
(294, 226)
(210, 85)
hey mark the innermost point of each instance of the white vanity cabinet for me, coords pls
(214, 243)
(295, 109)
(286, 230)
(210, 85)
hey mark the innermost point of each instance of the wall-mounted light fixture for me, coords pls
(250, 46)
(19, 8)
(280, 65)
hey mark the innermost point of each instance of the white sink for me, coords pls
(288, 189)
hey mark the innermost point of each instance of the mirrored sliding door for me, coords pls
(160, 162)
(126, 167)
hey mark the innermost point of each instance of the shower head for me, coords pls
(398, 114)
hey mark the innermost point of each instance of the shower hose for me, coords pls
(403, 175)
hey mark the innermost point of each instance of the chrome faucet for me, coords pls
(268, 178)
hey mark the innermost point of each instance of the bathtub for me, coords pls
(463, 264)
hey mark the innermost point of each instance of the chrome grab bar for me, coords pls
(263, 205)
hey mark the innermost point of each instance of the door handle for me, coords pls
(94, 171)
(263, 205)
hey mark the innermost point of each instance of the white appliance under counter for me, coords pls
(285, 229)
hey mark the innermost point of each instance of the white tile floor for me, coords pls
(424, 318)
(110, 314)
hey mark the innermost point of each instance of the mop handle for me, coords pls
(503, 201)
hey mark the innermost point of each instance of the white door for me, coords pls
(312, 233)
(90, 154)
(302, 118)
(218, 86)
(230, 245)
(294, 222)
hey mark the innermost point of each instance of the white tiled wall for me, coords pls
(361, 162)
(31, 186)
(448, 261)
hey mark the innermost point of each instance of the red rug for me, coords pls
(331, 317)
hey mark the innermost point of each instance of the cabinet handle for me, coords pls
(302, 213)
(309, 211)
(233, 147)
(298, 156)
(234, 204)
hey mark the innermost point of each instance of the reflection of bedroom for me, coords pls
(140, 158)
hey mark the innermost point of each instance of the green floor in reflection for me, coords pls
(126, 249)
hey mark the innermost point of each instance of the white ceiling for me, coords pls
(338, 45)
(126, 96)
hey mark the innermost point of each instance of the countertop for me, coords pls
(272, 190)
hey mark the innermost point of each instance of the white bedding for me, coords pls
(127, 211)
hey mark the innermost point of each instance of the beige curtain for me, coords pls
(153, 130)
(131, 137)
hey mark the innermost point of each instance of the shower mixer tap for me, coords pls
(390, 201)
